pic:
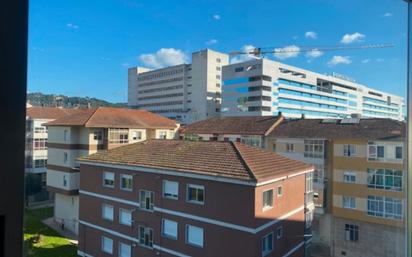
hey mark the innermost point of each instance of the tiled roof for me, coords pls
(48, 113)
(244, 125)
(213, 158)
(105, 117)
(368, 129)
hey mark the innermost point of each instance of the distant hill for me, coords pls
(39, 99)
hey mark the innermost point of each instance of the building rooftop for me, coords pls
(243, 125)
(219, 159)
(368, 129)
(107, 117)
(49, 113)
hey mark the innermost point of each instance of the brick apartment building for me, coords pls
(86, 132)
(191, 198)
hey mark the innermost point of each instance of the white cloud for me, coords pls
(211, 41)
(366, 60)
(351, 38)
(72, 26)
(243, 57)
(164, 57)
(295, 37)
(287, 52)
(337, 59)
(216, 17)
(380, 60)
(387, 14)
(311, 35)
(314, 53)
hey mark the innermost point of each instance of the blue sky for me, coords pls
(84, 47)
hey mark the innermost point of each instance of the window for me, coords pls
(349, 202)
(267, 244)
(40, 130)
(169, 228)
(194, 235)
(162, 134)
(218, 68)
(65, 135)
(349, 177)
(268, 199)
(385, 179)
(107, 245)
(280, 190)
(97, 135)
(146, 236)
(274, 147)
(40, 163)
(137, 135)
(108, 179)
(195, 194)
(125, 250)
(314, 148)
(385, 207)
(170, 189)
(349, 150)
(118, 136)
(65, 157)
(40, 143)
(252, 140)
(381, 152)
(125, 217)
(107, 212)
(398, 152)
(218, 60)
(146, 200)
(290, 147)
(217, 76)
(279, 232)
(239, 69)
(217, 84)
(351, 232)
(126, 182)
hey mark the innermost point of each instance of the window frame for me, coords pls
(197, 187)
(102, 244)
(268, 207)
(105, 205)
(120, 249)
(147, 230)
(104, 179)
(187, 236)
(172, 197)
(121, 182)
(122, 210)
(174, 237)
(151, 203)
(267, 252)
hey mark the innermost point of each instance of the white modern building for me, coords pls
(265, 87)
(185, 92)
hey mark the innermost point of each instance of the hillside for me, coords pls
(39, 99)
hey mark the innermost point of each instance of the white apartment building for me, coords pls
(36, 136)
(266, 87)
(88, 132)
(185, 92)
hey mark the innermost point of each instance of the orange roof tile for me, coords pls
(213, 158)
(107, 117)
(49, 113)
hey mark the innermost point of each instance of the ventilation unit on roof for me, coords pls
(350, 121)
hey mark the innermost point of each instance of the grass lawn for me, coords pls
(42, 241)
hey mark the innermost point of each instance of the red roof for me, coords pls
(49, 113)
(213, 158)
(106, 117)
(242, 125)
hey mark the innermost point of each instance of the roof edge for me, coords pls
(243, 161)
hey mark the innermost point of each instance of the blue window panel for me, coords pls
(353, 103)
(310, 104)
(310, 95)
(371, 106)
(365, 98)
(235, 81)
(296, 84)
(337, 92)
(353, 96)
(314, 113)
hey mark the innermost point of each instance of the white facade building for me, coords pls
(265, 87)
(185, 92)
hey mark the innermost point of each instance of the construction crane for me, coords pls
(260, 52)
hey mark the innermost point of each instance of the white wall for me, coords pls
(57, 178)
(66, 208)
